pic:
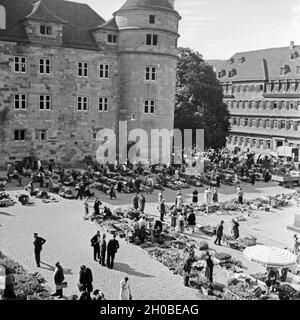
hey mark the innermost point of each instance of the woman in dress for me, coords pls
(125, 292)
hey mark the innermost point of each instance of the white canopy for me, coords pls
(270, 256)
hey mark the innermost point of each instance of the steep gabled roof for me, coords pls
(261, 65)
(41, 13)
(80, 20)
(109, 25)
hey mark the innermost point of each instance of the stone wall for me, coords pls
(69, 132)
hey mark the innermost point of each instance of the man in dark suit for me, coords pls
(219, 232)
(38, 245)
(95, 243)
(112, 248)
(102, 250)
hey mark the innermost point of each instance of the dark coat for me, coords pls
(191, 219)
(113, 246)
(209, 269)
(85, 277)
(38, 243)
(59, 276)
(220, 230)
(95, 240)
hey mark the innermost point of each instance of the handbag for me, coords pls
(64, 284)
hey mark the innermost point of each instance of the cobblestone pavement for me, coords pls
(68, 241)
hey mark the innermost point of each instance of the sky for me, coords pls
(219, 28)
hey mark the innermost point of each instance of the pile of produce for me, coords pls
(241, 243)
(6, 200)
(240, 291)
(207, 229)
(27, 286)
(172, 259)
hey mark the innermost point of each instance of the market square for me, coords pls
(133, 167)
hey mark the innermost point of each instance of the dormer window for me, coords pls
(294, 55)
(112, 38)
(284, 70)
(232, 72)
(152, 19)
(45, 30)
(231, 61)
(222, 73)
(242, 59)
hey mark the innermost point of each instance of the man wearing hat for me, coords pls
(38, 244)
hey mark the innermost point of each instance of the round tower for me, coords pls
(148, 34)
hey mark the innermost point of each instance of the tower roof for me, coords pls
(148, 4)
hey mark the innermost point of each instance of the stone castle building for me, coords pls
(66, 73)
(262, 92)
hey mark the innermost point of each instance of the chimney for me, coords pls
(171, 3)
(292, 45)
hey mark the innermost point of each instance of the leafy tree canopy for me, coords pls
(199, 99)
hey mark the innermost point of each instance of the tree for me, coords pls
(199, 99)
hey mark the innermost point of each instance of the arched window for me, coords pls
(2, 18)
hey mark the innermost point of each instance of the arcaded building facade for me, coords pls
(262, 91)
(66, 73)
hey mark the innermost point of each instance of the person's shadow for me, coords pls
(7, 214)
(52, 268)
(130, 271)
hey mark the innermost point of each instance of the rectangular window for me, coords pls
(46, 30)
(152, 19)
(41, 134)
(103, 104)
(20, 101)
(149, 106)
(151, 73)
(82, 103)
(151, 39)
(104, 71)
(45, 102)
(45, 66)
(268, 144)
(20, 64)
(111, 38)
(83, 69)
(19, 135)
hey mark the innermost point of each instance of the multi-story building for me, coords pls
(65, 74)
(262, 92)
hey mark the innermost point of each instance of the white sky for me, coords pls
(219, 28)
